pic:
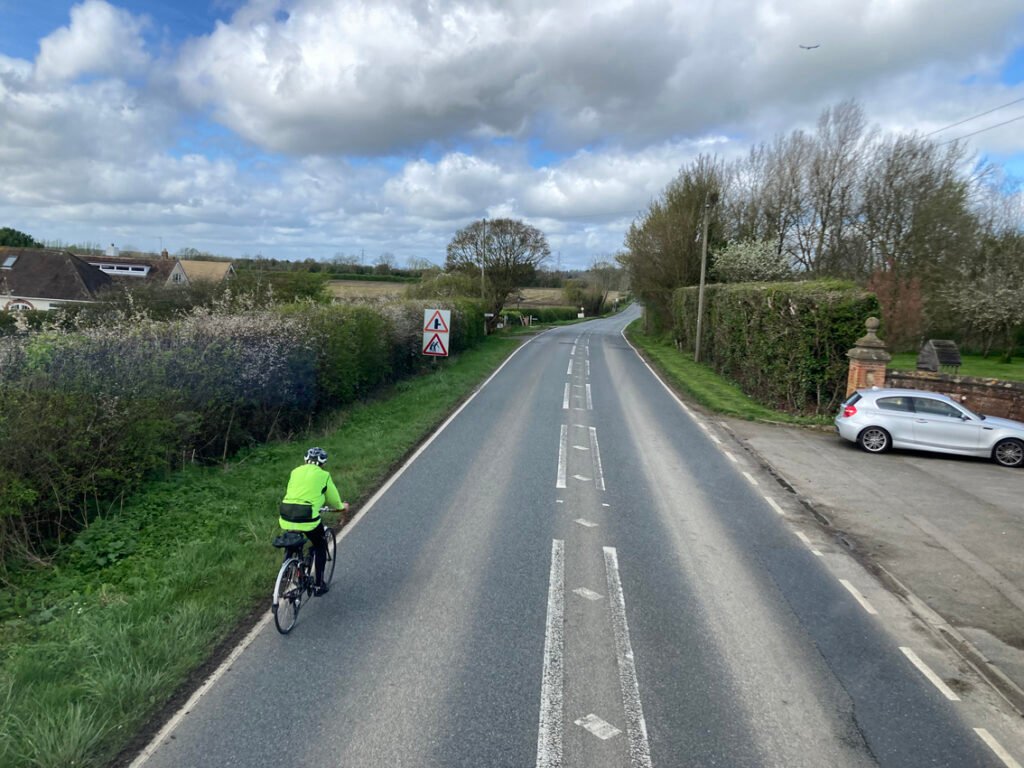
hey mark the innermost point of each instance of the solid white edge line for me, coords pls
(803, 537)
(171, 724)
(730, 457)
(565, 398)
(563, 441)
(636, 726)
(751, 478)
(596, 454)
(568, 371)
(774, 505)
(549, 731)
(859, 597)
(933, 678)
(998, 748)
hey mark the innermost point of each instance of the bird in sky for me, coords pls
(811, 47)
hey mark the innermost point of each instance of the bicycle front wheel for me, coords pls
(287, 596)
(332, 546)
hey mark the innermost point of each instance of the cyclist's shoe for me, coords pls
(321, 589)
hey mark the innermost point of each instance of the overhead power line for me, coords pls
(974, 117)
(997, 125)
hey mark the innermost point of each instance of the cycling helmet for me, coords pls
(316, 456)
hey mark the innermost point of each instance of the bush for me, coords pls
(87, 414)
(784, 344)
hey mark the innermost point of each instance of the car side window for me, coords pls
(935, 408)
(896, 404)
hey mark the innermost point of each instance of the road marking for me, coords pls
(730, 457)
(171, 724)
(549, 732)
(588, 593)
(605, 505)
(581, 478)
(597, 458)
(581, 448)
(585, 523)
(925, 670)
(563, 439)
(636, 726)
(774, 505)
(603, 730)
(750, 477)
(569, 370)
(559, 501)
(714, 438)
(565, 398)
(859, 597)
(996, 747)
(803, 537)
(573, 353)
(588, 368)
(590, 401)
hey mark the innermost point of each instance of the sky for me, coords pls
(313, 128)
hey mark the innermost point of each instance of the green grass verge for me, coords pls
(973, 365)
(703, 385)
(95, 642)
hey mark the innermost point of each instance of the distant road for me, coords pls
(577, 572)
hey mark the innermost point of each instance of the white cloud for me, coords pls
(101, 39)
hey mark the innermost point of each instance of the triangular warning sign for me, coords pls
(436, 323)
(435, 346)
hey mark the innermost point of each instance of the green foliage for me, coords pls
(15, 239)
(784, 344)
(88, 413)
(97, 642)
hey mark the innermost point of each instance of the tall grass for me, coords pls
(95, 643)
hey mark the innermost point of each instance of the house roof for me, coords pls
(48, 274)
(214, 271)
(159, 268)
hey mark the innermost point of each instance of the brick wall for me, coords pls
(991, 397)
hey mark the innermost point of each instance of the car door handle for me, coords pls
(920, 421)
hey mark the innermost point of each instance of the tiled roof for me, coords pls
(48, 274)
(214, 271)
(159, 269)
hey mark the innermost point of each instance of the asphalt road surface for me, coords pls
(577, 572)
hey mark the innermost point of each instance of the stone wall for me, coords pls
(991, 397)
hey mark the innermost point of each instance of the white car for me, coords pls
(880, 419)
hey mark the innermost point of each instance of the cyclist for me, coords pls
(310, 487)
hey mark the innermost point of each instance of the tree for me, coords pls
(16, 239)
(506, 251)
(750, 261)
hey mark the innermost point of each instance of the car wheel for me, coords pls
(1009, 453)
(874, 440)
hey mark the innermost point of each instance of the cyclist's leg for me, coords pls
(316, 537)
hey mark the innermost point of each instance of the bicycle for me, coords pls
(297, 577)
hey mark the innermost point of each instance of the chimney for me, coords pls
(164, 254)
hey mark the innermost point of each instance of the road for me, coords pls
(577, 571)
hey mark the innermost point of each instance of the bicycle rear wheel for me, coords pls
(287, 596)
(332, 546)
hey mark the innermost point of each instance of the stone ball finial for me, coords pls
(872, 324)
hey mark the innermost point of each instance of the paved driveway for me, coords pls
(951, 530)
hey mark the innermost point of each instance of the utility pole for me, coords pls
(709, 200)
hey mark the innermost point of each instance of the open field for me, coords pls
(544, 297)
(973, 365)
(365, 289)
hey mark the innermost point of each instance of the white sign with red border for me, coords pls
(437, 325)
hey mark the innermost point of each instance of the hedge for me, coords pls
(784, 344)
(86, 415)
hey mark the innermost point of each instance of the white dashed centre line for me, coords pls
(859, 597)
(549, 735)
(565, 398)
(636, 726)
(596, 453)
(560, 480)
(925, 670)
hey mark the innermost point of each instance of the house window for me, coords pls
(9, 262)
(177, 277)
(18, 306)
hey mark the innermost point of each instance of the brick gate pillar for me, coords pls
(868, 360)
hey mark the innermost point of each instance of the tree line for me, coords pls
(934, 232)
